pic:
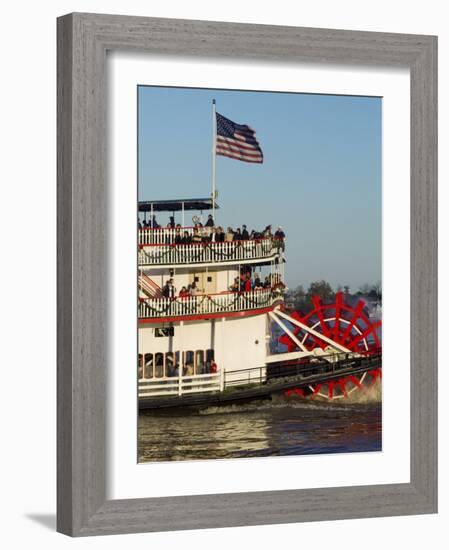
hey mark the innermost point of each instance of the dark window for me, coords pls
(140, 366)
(159, 366)
(199, 363)
(148, 366)
(165, 331)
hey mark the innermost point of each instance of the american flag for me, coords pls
(237, 141)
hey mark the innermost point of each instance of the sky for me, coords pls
(320, 179)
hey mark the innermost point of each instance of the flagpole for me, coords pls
(214, 155)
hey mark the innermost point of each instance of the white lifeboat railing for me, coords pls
(209, 252)
(205, 304)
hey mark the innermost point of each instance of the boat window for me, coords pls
(188, 362)
(169, 364)
(159, 365)
(161, 332)
(148, 367)
(209, 359)
(199, 361)
(140, 366)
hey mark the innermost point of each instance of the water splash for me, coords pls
(357, 399)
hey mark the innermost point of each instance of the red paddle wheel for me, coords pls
(347, 325)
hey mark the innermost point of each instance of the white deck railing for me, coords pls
(209, 252)
(164, 235)
(204, 304)
(180, 385)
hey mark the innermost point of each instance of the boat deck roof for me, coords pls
(176, 205)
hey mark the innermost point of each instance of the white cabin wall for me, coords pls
(225, 278)
(192, 335)
(236, 346)
(233, 339)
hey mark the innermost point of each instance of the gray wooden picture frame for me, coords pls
(83, 40)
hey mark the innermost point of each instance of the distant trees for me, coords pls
(371, 291)
(299, 299)
(321, 289)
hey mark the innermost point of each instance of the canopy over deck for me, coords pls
(176, 205)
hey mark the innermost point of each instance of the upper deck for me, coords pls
(199, 245)
(162, 247)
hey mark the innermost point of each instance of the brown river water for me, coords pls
(266, 428)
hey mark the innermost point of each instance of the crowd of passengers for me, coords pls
(172, 367)
(244, 283)
(211, 233)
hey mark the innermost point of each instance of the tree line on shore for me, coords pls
(301, 299)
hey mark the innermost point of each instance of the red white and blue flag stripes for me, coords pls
(237, 141)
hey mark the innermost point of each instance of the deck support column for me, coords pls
(181, 357)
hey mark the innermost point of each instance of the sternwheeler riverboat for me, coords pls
(211, 311)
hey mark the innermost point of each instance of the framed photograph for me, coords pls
(247, 286)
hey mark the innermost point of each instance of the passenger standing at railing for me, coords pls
(169, 290)
(196, 237)
(172, 289)
(183, 293)
(257, 282)
(235, 285)
(221, 235)
(213, 235)
(188, 369)
(178, 237)
(193, 297)
(229, 237)
(186, 239)
(245, 234)
(279, 233)
(166, 290)
(154, 224)
(167, 235)
(206, 232)
(237, 235)
(280, 236)
(210, 221)
(202, 231)
(267, 231)
(247, 284)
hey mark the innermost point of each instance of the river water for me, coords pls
(280, 427)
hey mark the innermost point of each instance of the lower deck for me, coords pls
(203, 347)
(250, 383)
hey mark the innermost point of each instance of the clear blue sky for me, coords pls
(320, 180)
